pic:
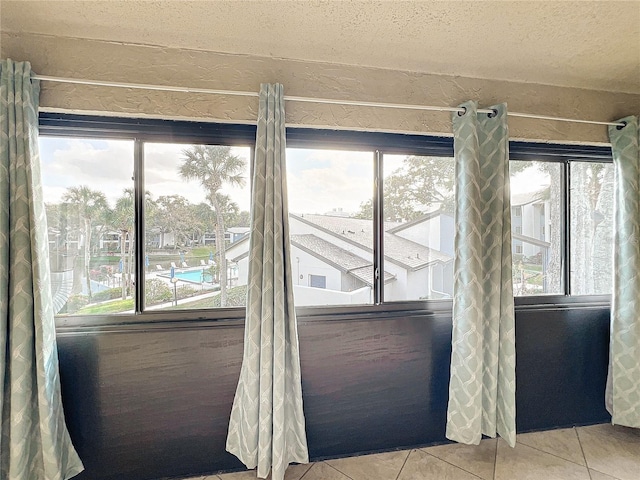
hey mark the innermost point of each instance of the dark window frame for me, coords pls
(169, 131)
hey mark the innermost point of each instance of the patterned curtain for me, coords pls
(623, 381)
(482, 386)
(34, 444)
(267, 426)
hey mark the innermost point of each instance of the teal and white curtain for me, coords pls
(623, 382)
(34, 444)
(267, 426)
(482, 386)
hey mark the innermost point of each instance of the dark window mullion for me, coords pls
(378, 228)
(139, 244)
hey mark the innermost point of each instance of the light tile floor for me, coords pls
(597, 452)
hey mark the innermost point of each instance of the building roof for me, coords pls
(358, 231)
(366, 275)
(338, 257)
(329, 251)
(238, 229)
(533, 241)
(526, 198)
(422, 218)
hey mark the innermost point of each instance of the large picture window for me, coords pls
(88, 192)
(371, 220)
(591, 227)
(197, 201)
(331, 226)
(537, 227)
(418, 225)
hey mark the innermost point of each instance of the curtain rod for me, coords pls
(166, 88)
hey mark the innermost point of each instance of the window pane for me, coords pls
(331, 226)
(418, 207)
(196, 194)
(591, 228)
(536, 225)
(88, 194)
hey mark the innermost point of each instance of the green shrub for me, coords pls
(186, 291)
(110, 294)
(156, 291)
(75, 303)
(236, 297)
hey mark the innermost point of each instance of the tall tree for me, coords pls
(122, 219)
(419, 185)
(90, 204)
(174, 215)
(214, 167)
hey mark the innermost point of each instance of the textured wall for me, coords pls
(66, 57)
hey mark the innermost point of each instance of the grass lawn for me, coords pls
(236, 297)
(114, 306)
(210, 302)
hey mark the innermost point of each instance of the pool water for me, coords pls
(193, 276)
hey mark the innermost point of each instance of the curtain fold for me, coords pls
(267, 426)
(34, 444)
(482, 383)
(623, 382)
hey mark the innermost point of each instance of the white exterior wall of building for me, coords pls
(427, 233)
(418, 284)
(303, 265)
(529, 221)
(534, 217)
(305, 296)
(436, 233)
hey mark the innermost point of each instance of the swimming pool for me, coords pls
(192, 276)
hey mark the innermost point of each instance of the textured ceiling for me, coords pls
(592, 45)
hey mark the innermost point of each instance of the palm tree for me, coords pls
(90, 204)
(214, 167)
(122, 218)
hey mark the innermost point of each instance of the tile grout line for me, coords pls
(584, 457)
(558, 456)
(339, 471)
(403, 464)
(308, 470)
(311, 464)
(586, 462)
(449, 463)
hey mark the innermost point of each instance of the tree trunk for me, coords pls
(130, 266)
(221, 251)
(554, 268)
(603, 235)
(581, 232)
(123, 243)
(87, 255)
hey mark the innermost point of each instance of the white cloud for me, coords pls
(322, 180)
(530, 179)
(101, 165)
(107, 166)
